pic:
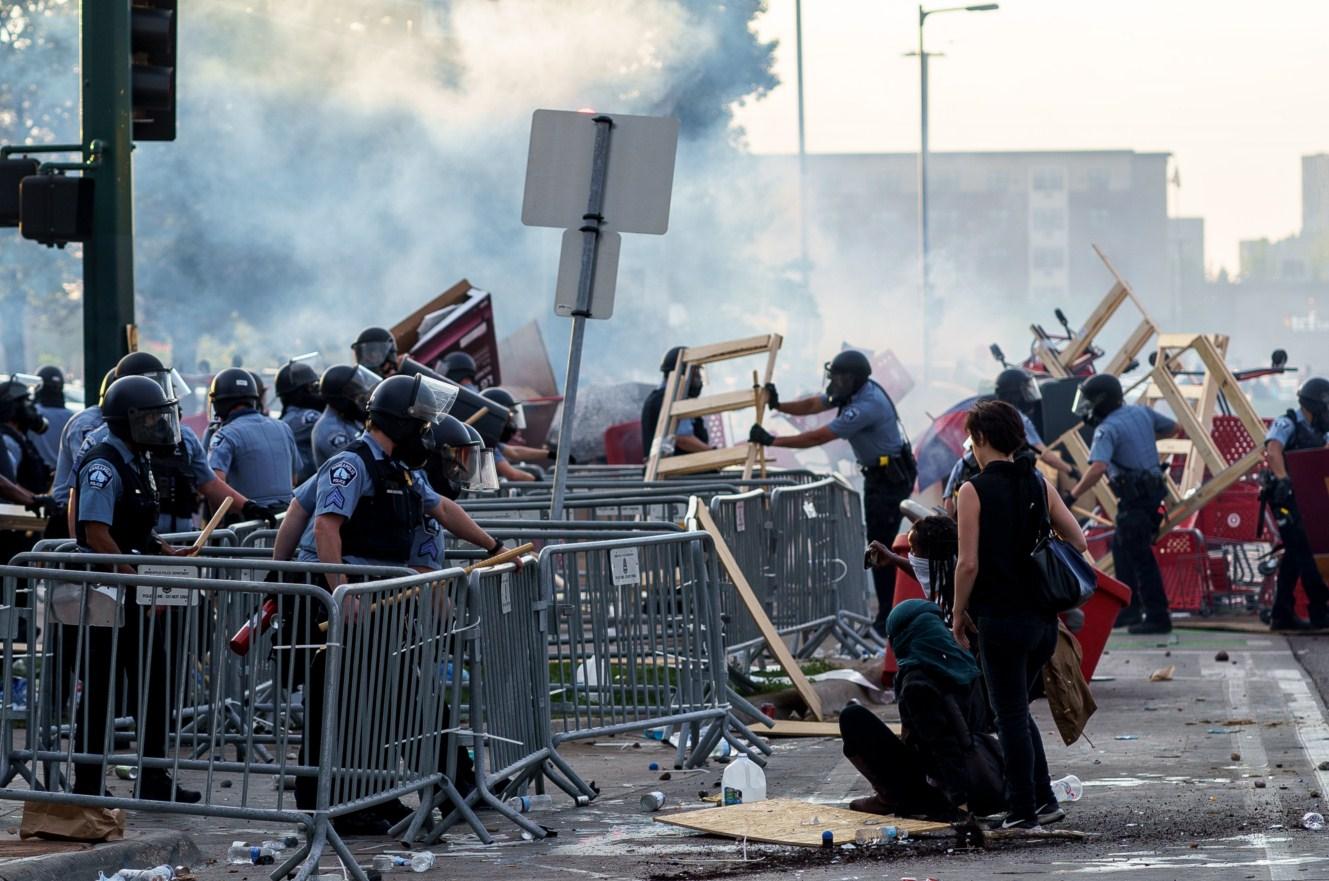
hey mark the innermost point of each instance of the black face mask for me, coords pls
(444, 473)
(1320, 418)
(507, 433)
(30, 419)
(414, 450)
(841, 388)
(304, 397)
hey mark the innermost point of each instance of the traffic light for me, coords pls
(11, 172)
(152, 49)
(55, 209)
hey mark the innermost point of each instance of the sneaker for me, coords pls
(1151, 627)
(1290, 624)
(363, 822)
(162, 788)
(1009, 824)
(872, 804)
(1127, 619)
(1050, 813)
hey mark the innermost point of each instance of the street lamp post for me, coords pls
(923, 168)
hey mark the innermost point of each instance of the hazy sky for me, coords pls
(1236, 90)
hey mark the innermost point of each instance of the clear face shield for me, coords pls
(171, 382)
(1082, 406)
(359, 387)
(373, 355)
(1030, 392)
(157, 428)
(28, 416)
(518, 417)
(432, 399)
(481, 471)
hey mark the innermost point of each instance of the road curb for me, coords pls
(143, 852)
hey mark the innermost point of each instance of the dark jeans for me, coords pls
(1014, 650)
(1134, 561)
(881, 511)
(1298, 563)
(894, 770)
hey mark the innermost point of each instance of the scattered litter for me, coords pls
(527, 804)
(828, 839)
(126, 772)
(1127, 737)
(1313, 821)
(744, 782)
(1323, 766)
(1068, 788)
(652, 801)
(653, 766)
(1236, 757)
(1221, 656)
(1222, 731)
(418, 861)
(666, 776)
(1167, 654)
(157, 873)
(1162, 674)
(226, 784)
(1260, 784)
(241, 854)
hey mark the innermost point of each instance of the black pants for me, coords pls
(145, 700)
(1134, 561)
(882, 496)
(894, 770)
(1014, 650)
(1298, 563)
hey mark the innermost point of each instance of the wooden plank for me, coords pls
(1079, 452)
(1117, 275)
(756, 449)
(707, 460)
(1050, 360)
(689, 408)
(773, 639)
(1098, 319)
(664, 423)
(1130, 349)
(790, 822)
(723, 351)
(1196, 431)
(1209, 491)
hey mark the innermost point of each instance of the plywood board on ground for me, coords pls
(789, 821)
(797, 728)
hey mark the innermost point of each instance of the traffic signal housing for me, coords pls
(152, 75)
(12, 171)
(56, 209)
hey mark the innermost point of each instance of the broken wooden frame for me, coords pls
(676, 406)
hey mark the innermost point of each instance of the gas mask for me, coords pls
(156, 429)
(509, 430)
(29, 418)
(840, 387)
(445, 473)
(414, 449)
(1319, 415)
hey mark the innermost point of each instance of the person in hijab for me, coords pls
(946, 763)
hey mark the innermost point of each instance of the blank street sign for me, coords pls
(569, 274)
(639, 182)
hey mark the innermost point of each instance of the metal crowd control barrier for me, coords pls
(745, 526)
(636, 643)
(148, 642)
(583, 507)
(815, 567)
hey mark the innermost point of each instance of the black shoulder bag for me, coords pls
(1060, 586)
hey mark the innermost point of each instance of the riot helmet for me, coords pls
(297, 386)
(139, 412)
(346, 389)
(106, 384)
(1097, 396)
(455, 463)
(1017, 388)
(460, 368)
(52, 391)
(405, 409)
(261, 387)
(696, 378)
(147, 364)
(1314, 399)
(376, 349)
(516, 414)
(16, 405)
(846, 373)
(233, 387)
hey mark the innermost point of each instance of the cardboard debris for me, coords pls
(1163, 674)
(66, 822)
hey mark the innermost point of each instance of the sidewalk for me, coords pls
(1169, 801)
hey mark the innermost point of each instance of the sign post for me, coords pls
(627, 189)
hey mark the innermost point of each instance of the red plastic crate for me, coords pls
(623, 444)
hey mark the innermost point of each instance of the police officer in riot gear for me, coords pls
(376, 349)
(370, 499)
(1302, 429)
(1125, 448)
(19, 418)
(507, 452)
(181, 475)
(690, 435)
(256, 455)
(460, 368)
(345, 389)
(301, 405)
(117, 514)
(866, 417)
(51, 405)
(457, 463)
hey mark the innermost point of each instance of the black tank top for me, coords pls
(1009, 520)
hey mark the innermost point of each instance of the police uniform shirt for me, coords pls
(870, 425)
(257, 456)
(301, 421)
(198, 468)
(330, 435)
(71, 442)
(48, 442)
(1127, 439)
(99, 486)
(953, 479)
(1284, 428)
(9, 462)
(427, 545)
(1031, 435)
(340, 484)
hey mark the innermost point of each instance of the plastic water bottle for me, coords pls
(529, 804)
(1313, 821)
(743, 782)
(416, 861)
(252, 855)
(1068, 788)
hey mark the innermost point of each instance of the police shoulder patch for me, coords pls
(99, 475)
(342, 474)
(850, 413)
(310, 417)
(340, 439)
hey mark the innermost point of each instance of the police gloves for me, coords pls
(254, 511)
(772, 396)
(759, 435)
(43, 506)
